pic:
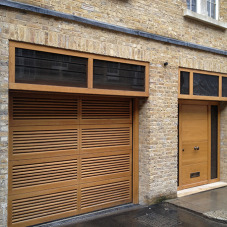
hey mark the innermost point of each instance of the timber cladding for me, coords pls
(67, 155)
(199, 143)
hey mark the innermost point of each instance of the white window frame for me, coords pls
(203, 11)
(217, 9)
(191, 5)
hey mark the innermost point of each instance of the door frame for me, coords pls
(209, 104)
(135, 151)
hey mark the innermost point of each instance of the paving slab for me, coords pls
(212, 203)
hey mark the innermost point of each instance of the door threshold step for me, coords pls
(202, 188)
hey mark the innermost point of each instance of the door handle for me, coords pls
(196, 148)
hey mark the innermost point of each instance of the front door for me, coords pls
(193, 145)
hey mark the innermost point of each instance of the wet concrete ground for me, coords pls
(212, 203)
(159, 215)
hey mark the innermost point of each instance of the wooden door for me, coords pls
(67, 155)
(193, 145)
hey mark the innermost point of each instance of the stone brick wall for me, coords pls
(163, 17)
(158, 113)
(3, 130)
(223, 145)
(158, 136)
(223, 10)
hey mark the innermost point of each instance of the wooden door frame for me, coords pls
(135, 151)
(209, 104)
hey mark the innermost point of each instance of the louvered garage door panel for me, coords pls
(37, 207)
(105, 166)
(68, 155)
(105, 194)
(35, 174)
(32, 109)
(43, 141)
(106, 110)
(100, 137)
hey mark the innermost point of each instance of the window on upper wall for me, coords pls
(205, 7)
(211, 8)
(191, 4)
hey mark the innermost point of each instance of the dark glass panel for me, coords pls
(118, 76)
(184, 82)
(214, 142)
(205, 85)
(37, 67)
(224, 86)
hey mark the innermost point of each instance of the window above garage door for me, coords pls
(39, 68)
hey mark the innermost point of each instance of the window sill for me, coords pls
(205, 19)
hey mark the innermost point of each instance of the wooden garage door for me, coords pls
(68, 155)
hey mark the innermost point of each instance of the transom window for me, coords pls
(196, 84)
(48, 69)
(205, 7)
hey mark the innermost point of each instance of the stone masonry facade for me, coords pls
(223, 138)
(158, 123)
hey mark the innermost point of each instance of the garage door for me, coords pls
(67, 155)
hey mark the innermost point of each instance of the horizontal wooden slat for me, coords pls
(38, 174)
(33, 206)
(106, 109)
(30, 140)
(105, 165)
(45, 108)
(102, 137)
(105, 193)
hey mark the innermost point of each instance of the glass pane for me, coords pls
(224, 86)
(213, 9)
(208, 8)
(194, 5)
(205, 85)
(214, 142)
(37, 67)
(184, 82)
(118, 76)
(188, 4)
